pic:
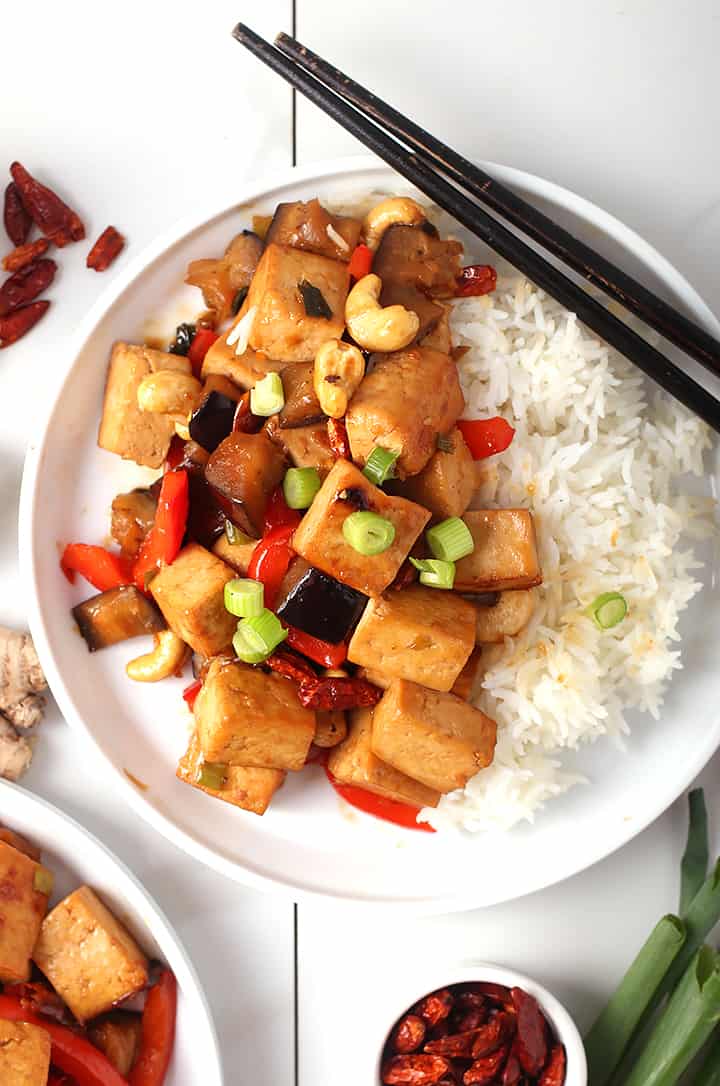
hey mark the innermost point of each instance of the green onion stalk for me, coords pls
(695, 860)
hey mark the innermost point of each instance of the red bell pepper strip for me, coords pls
(158, 1033)
(101, 568)
(360, 262)
(191, 692)
(201, 344)
(322, 652)
(475, 280)
(164, 539)
(278, 512)
(270, 560)
(389, 810)
(70, 1051)
(485, 437)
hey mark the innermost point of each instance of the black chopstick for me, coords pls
(594, 267)
(664, 372)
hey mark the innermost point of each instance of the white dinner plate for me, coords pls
(75, 858)
(309, 844)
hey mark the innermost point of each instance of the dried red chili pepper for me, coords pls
(16, 219)
(496, 993)
(26, 284)
(291, 666)
(337, 693)
(457, 1046)
(339, 442)
(531, 1043)
(472, 1018)
(25, 254)
(435, 1007)
(475, 280)
(107, 247)
(409, 1034)
(414, 1070)
(20, 321)
(554, 1073)
(485, 1070)
(512, 1071)
(490, 1036)
(56, 220)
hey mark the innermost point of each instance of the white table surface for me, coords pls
(139, 111)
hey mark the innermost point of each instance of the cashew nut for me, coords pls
(375, 328)
(168, 393)
(339, 369)
(396, 211)
(167, 657)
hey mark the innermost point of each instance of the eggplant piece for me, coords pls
(131, 518)
(242, 473)
(302, 407)
(305, 226)
(206, 520)
(117, 1035)
(212, 421)
(117, 615)
(318, 604)
(410, 257)
(221, 280)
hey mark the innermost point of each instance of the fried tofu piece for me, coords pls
(304, 446)
(246, 717)
(330, 728)
(90, 959)
(505, 554)
(405, 401)
(248, 788)
(439, 337)
(244, 369)
(305, 226)
(421, 634)
(20, 843)
(319, 538)
(142, 436)
(118, 1035)
(447, 482)
(22, 909)
(281, 326)
(506, 618)
(353, 762)
(237, 555)
(190, 594)
(437, 739)
(24, 1054)
(465, 683)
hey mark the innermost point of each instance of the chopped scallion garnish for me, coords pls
(300, 486)
(267, 397)
(434, 572)
(244, 597)
(368, 533)
(255, 638)
(608, 610)
(43, 881)
(212, 775)
(380, 465)
(450, 540)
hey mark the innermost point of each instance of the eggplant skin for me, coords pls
(321, 606)
(213, 420)
(117, 615)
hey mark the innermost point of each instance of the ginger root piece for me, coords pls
(15, 752)
(21, 703)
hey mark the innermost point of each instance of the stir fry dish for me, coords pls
(312, 541)
(80, 1004)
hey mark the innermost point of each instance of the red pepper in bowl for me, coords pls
(485, 437)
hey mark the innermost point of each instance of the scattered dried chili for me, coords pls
(20, 321)
(107, 247)
(25, 254)
(16, 219)
(476, 280)
(55, 219)
(531, 1045)
(414, 1070)
(338, 693)
(25, 285)
(409, 1034)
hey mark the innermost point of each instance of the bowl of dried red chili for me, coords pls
(483, 1026)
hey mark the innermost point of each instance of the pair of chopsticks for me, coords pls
(427, 163)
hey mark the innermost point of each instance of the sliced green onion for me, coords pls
(43, 881)
(380, 465)
(212, 775)
(684, 1026)
(607, 610)
(234, 536)
(450, 540)
(434, 572)
(300, 486)
(695, 859)
(709, 1073)
(244, 597)
(612, 1032)
(368, 533)
(260, 635)
(268, 395)
(244, 650)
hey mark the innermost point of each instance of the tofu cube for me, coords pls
(90, 959)
(505, 554)
(250, 789)
(466, 681)
(118, 1035)
(246, 717)
(320, 540)
(436, 739)
(446, 483)
(281, 326)
(22, 909)
(190, 594)
(235, 555)
(506, 618)
(353, 762)
(142, 436)
(244, 369)
(421, 634)
(24, 1054)
(403, 403)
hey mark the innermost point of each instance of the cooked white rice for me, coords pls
(596, 463)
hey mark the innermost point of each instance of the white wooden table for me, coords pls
(140, 111)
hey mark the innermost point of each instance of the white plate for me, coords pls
(308, 843)
(75, 857)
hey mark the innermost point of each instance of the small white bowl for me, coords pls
(75, 857)
(396, 1004)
